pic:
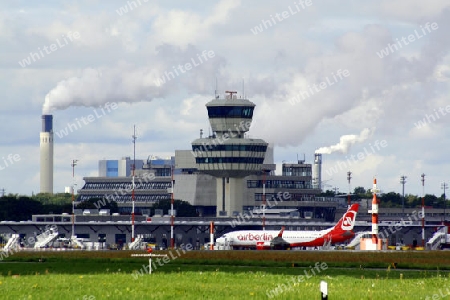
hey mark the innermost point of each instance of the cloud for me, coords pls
(168, 25)
(412, 10)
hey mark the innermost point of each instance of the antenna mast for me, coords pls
(132, 184)
(215, 89)
(231, 94)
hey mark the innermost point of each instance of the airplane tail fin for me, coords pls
(347, 222)
(280, 234)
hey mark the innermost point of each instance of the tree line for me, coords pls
(21, 208)
(392, 199)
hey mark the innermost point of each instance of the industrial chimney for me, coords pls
(46, 147)
(317, 171)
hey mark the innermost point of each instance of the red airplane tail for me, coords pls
(347, 222)
(280, 234)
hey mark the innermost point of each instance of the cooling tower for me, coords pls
(46, 147)
(317, 171)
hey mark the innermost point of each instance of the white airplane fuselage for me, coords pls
(251, 238)
(267, 239)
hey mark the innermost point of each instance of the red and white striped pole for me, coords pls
(374, 211)
(423, 209)
(211, 235)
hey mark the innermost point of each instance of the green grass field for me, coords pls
(112, 275)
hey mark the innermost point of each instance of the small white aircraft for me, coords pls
(272, 239)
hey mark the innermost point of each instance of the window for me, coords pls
(232, 147)
(227, 160)
(253, 183)
(230, 112)
(285, 184)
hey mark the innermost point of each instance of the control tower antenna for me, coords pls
(215, 91)
(231, 93)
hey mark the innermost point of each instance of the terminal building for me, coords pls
(152, 183)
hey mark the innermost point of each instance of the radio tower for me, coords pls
(132, 183)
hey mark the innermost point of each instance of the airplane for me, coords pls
(273, 239)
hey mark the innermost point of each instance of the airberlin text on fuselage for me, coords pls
(255, 237)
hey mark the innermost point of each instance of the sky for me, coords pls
(366, 83)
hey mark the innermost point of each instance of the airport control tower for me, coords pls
(227, 154)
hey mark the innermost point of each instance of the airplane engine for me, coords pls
(278, 243)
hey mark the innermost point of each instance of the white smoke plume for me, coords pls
(96, 87)
(130, 83)
(346, 141)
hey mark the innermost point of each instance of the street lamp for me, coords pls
(349, 177)
(74, 163)
(444, 186)
(423, 209)
(132, 183)
(336, 190)
(403, 181)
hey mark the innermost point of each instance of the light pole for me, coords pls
(132, 184)
(264, 199)
(349, 176)
(423, 209)
(444, 186)
(403, 181)
(336, 190)
(74, 163)
(172, 216)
